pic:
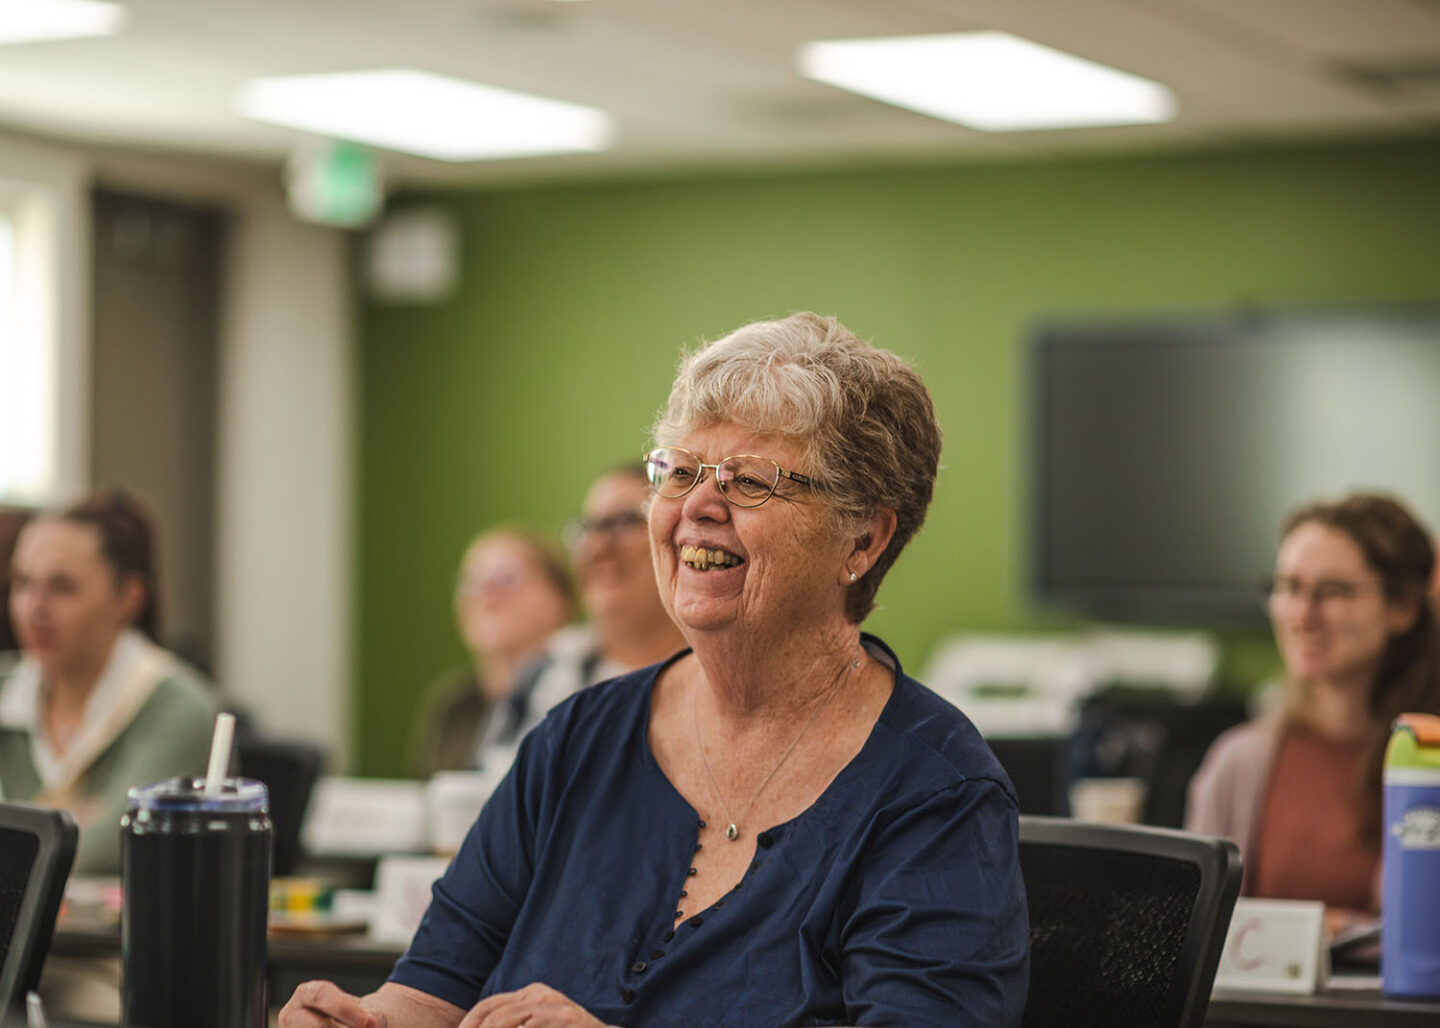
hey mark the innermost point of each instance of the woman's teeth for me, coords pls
(701, 559)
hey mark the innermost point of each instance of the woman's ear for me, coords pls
(871, 543)
(1401, 614)
(132, 597)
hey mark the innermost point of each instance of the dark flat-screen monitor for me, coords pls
(1167, 451)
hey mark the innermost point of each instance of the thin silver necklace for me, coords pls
(732, 831)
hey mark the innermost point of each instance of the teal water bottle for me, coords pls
(1410, 925)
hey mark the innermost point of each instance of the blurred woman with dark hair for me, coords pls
(1356, 626)
(92, 705)
(12, 519)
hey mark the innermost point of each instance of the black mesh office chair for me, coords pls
(289, 770)
(1126, 923)
(37, 847)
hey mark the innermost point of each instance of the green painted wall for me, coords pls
(550, 362)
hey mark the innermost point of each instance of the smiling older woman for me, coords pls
(777, 826)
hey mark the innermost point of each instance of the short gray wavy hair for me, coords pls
(861, 416)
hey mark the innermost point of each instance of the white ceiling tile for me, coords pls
(699, 82)
(1362, 30)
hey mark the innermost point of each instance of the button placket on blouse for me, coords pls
(639, 965)
(765, 841)
(690, 872)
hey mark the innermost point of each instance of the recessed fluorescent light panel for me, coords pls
(991, 81)
(429, 115)
(27, 21)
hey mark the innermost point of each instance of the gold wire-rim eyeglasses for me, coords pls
(664, 486)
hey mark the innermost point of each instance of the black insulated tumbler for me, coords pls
(196, 874)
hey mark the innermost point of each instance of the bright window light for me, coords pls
(430, 115)
(28, 398)
(25, 21)
(7, 276)
(991, 81)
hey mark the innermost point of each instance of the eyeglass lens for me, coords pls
(617, 522)
(496, 581)
(746, 481)
(1278, 590)
(577, 531)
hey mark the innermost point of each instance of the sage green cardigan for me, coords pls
(169, 735)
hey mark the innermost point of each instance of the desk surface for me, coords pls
(358, 960)
(1332, 1008)
(354, 962)
(85, 939)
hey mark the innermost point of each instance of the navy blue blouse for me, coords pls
(895, 899)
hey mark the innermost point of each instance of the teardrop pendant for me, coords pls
(732, 833)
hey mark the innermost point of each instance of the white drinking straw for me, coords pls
(219, 753)
(34, 1011)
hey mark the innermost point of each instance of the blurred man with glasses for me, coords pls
(627, 628)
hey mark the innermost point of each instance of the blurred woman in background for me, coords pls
(514, 589)
(627, 626)
(1356, 626)
(12, 519)
(92, 705)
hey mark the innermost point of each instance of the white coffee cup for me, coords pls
(1115, 801)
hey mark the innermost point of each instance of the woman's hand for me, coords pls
(535, 1006)
(326, 1005)
(1339, 919)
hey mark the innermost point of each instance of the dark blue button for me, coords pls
(627, 994)
(638, 967)
(702, 822)
(692, 872)
(697, 847)
(753, 866)
(679, 913)
(656, 954)
(684, 893)
(697, 921)
(765, 841)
